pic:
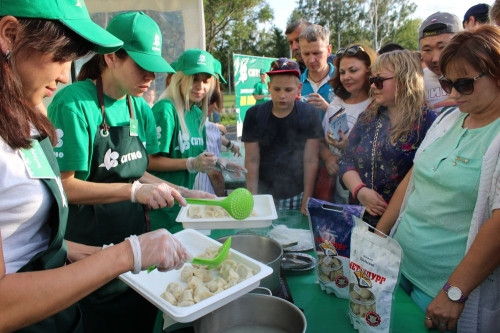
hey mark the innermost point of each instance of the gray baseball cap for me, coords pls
(439, 23)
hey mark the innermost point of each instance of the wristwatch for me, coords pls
(454, 293)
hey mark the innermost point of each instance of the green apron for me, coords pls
(55, 255)
(118, 157)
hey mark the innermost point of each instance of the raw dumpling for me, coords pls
(232, 277)
(175, 289)
(216, 285)
(169, 297)
(186, 299)
(201, 293)
(226, 267)
(244, 272)
(185, 303)
(203, 274)
(195, 283)
(195, 212)
(187, 273)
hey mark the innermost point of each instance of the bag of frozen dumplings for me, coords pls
(374, 274)
(331, 225)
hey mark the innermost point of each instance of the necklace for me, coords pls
(374, 150)
(310, 78)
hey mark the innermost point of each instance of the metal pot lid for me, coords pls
(297, 261)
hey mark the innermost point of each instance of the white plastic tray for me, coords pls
(263, 206)
(152, 285)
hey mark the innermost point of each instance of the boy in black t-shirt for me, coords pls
(281, 140)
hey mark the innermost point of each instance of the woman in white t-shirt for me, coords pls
(351, 87)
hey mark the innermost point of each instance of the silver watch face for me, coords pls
(454, 293)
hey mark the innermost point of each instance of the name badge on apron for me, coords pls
(36, 162)
(134, 127)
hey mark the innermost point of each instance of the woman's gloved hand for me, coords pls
(201, 163)
(155, 195)
(236, 150)
(158, 248)
(234, 170)
(186, 193)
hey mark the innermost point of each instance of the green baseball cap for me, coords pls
(263, 71)
(72, 13)
(195, 61)
(218, 70)
(141, 39)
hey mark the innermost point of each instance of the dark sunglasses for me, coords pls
(350, 50)
(378, 81)
(284, 64)
(464, 86)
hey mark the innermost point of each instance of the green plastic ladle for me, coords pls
(213, 262)
(239, 203)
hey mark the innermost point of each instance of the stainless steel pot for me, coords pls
(263, 249)
(254, 313)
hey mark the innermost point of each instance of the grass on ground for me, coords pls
(229, 101)
(228, 104)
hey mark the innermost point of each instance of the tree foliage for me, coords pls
(234, 27)
(374, 22)
(242, 26)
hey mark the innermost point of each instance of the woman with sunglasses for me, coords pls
(383, 141)
(352, 89)
(450, 200)
(38, 288)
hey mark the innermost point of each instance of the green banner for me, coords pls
(246, 74)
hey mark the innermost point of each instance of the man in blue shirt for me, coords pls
(315, 48)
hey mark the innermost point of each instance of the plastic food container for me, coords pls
(263, 206)
(152, 285)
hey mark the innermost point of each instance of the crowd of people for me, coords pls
(90, 185)
(438, 108)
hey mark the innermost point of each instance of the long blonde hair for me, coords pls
(178, 92)
(409, 94)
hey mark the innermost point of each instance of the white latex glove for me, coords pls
(160, 248)
(234, 170)
(155, 195)
(201, 163)
(236, 150)
(195, 193)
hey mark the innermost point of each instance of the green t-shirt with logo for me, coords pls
(76, 114)
(173, 144)
(261, 89)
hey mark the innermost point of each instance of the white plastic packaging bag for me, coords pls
(374, 276)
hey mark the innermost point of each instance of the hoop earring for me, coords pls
(7, 55)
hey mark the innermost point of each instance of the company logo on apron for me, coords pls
(111, 158)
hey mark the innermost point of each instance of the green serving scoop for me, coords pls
(212, 262)
(239, 203)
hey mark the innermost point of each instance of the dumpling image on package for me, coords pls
(374, 274)
(332, 225)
